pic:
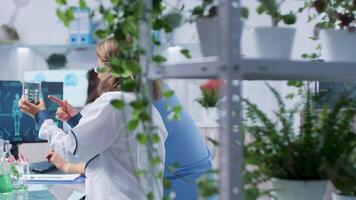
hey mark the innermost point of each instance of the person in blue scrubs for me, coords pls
(187, 156)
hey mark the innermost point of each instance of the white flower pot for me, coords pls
(340, 197)
(210, 115)
(274, 42)
(338, 46)
(208, 36)
(298, 190)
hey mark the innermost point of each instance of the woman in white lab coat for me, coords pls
(101, 140)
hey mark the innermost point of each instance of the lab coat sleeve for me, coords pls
(95, 132)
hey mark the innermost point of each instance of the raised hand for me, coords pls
(65, 111)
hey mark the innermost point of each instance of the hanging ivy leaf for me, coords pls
(150, 196)
(155, 138)
(139, 104)
(140, 172)
(142, 138)
(156, 160)
(61, 2)
(168, 93)
(61, 15)
(145, 117)
(101, 69)
(245, 12)
(118, 104)
(70, 14)
(116, 2)
(159, 59)
(129, 85)
(186, 53)
(130, 26)
(82, 4)
(132, 125)
(167, 183)
(289, 19)
(101, 33)
(198, 10)
(134, 67)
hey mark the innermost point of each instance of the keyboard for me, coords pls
(42, 167)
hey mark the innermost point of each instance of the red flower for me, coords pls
(211, 85)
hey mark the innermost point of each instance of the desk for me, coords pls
(48, 192)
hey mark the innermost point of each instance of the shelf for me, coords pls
(297, 70)
(61, 47)
(258, 69)
(195, 68)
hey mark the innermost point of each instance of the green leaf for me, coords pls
(156, 160)
(155, 138)
(70, 14)
(102, 69)
(159, 24)
(177, 109)
(186, 53)
(134, 67)
(305, 56)
(118, 104)
(140, 172)
(289, 19)
(245, 12)
(159, 59)
(61, 15)
(138, 104)
(261, 9)
(167, 183)
(142, 138)
(129, 26)
(132, 125)
(168, 94)
(213, 141)
(61, 2)
(116, 2)
(150, 196)
(101, 33)
(198, 10)
(129, 85)
(297, 84)
(82, 4)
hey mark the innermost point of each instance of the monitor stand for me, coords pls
(15, 149)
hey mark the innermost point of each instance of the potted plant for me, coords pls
(205, 16)
(275, 42)
(274, 152)
(209, 99)
(340, 157)
(336, 24)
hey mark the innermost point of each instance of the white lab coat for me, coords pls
(111, 152)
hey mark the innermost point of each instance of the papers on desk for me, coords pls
(54, 178)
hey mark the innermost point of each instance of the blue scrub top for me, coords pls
(184, 144)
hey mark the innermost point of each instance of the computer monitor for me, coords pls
(75, 83)
(16, 126)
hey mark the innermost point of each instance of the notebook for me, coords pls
(54, 178)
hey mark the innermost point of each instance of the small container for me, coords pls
(32, 91)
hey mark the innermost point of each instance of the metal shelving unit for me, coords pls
(232, 68)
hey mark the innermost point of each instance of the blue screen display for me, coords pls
(16, 126)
